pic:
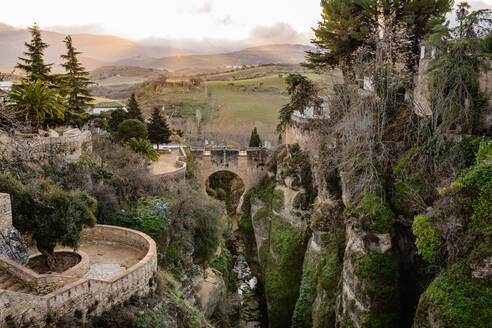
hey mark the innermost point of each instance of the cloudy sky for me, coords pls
(179, 23)
(285, 20)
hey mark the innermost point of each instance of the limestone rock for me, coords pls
(210, 290)
(53, 133)
(13, 246)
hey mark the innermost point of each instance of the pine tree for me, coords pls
(34, 64)
(346, 24)
(158, 130)
(254, 140)
(75, 81)
(133, 109)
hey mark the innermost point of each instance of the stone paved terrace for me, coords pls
(171, 162)
(30, 299)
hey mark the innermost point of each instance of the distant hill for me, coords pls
(270, 54)
(97, 50)
(105, 72)
(106, 50)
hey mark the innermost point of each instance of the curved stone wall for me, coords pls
(84, 297)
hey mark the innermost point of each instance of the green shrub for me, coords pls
(132, 128)
(150, 216)
(221, 194)
(211, 192)
(49, 214)
(203, 217)
(373, 208)
(484, 153)
(456, 300)
(428, 238)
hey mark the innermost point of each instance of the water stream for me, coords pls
(246, 285)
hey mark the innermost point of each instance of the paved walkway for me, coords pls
(166, 163)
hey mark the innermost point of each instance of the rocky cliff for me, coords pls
(334, 248)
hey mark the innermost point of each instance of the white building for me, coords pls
(107, 107)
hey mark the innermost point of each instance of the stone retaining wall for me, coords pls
(69, 147)
(85, 298)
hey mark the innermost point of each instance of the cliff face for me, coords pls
(274, 224)
(318, 268)
(332, 254)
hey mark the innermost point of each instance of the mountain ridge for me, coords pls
(102, 50)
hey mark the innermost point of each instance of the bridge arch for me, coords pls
(248, 164)
(226, 186)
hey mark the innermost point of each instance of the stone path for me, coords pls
(166, 163)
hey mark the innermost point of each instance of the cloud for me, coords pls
(209, 45)
(75, 29)
(206, 8)
(226, 20)
(278, 33)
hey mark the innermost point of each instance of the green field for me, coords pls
(232, 103)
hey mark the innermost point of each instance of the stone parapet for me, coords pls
(85, 297)
(68, 147)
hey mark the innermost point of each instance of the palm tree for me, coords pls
(144, 147)
(37, 100)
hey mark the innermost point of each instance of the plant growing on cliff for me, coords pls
(428, 239)
(459, 56)
(374, 212)
(49, 214)
(455, 299)
(303, 94)
(203, 217)
(346, 26)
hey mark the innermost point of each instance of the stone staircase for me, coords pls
(11, 283)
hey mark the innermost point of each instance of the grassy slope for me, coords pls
(233, 103)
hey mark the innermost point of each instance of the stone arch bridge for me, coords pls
(248, 164)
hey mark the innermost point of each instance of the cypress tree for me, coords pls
(254, 140)
(75, 81)
(134, 111)
(158, 130)
(34, 64)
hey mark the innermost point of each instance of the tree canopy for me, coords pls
(75, 82)
(33, 64)
(144, 147)
(37, 101)
(455, 97)
(254, 140)
(303, 93)
(158, 129)
(117, 116)
(51, 215)
(134, 109)
(345, 26)
(132, 128)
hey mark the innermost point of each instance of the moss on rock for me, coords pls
(455, 300)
